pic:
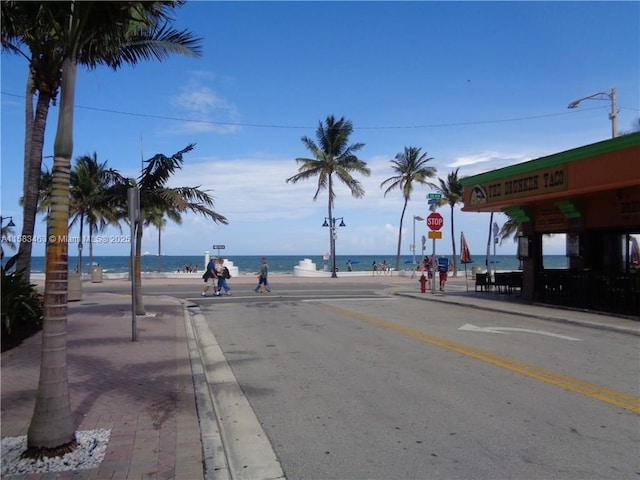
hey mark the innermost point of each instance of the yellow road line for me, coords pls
(619, 399)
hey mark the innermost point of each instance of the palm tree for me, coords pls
(332, 154)
(451, 190)
(156, 217)
(156, 196)
(43, 34)
(511, 228)
(87, 33)
(44, 186)
(409, 168)
(88, 182)
(24, 24)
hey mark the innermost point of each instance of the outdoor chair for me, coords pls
(482, 281)
(501, 282)
(515, 282)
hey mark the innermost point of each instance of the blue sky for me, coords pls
(476, 85)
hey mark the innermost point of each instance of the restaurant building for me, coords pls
(591, 194)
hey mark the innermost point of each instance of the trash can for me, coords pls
(96, 274)
(74, 287)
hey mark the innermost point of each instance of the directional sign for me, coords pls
(218, 247)
(436, 196)
(434, 235)
(435, 221)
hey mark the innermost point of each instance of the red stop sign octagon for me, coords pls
(435, 221)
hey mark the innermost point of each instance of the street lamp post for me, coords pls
(2, 227)
(331, 223)
(416, 218)
(613, 115)
(10, 224)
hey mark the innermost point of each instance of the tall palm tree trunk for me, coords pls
(34, 141)
(404, 208)
(90, 247)
(332, 228)
(52, 425)
(488, 262)
(159, 249)
(79, 267)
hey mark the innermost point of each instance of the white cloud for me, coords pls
(204, 107)
(486, 161)
(200, 100)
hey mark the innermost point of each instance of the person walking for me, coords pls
(443, 270)
(223, 274)
(428, 266)
(209, 274)
(263, 280)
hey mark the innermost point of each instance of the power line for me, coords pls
(264, 125)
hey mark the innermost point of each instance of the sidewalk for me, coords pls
(144, 391)
(514, 304)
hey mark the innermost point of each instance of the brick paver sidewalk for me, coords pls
(143, 391)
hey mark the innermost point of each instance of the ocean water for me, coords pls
(281, 264)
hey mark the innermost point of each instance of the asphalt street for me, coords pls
(372, 379)
(390, 387)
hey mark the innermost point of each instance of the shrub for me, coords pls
(22, 307)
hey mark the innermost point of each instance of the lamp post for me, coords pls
(331, 223)
(613, 115)
(2, 227)
(416, 218)
(10, 224)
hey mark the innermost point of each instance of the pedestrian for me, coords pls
(223, 274)
(428, 267)
(349, 269)
(374, 267)
(263, 277)
(209, 274)
(443, 269)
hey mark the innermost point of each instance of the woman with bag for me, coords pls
(222, 273)
(209, 274)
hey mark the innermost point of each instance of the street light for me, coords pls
(613, 115)
(331, 222)
(10, 224)
(416, 218)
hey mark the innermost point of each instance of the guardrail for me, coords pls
(604, 292)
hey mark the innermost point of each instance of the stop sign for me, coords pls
(435, 221)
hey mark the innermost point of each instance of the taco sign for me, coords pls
(532, 184)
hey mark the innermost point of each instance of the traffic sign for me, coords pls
(435, 221)
(218, 247)
(432, 201)
(434, 235)
(437, 196)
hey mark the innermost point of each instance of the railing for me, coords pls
(503, 282)
(598, 291)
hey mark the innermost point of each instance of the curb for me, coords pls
(215, 461)
(229, 427)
